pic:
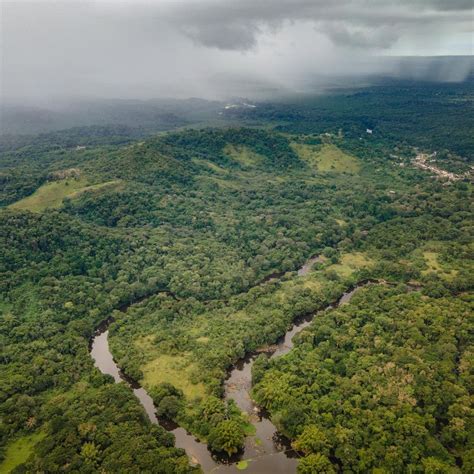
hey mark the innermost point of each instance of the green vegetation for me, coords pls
(434, 266)
(380, 383)
(52, 195)
(188, 226)
(19, 451)
(388, 247)
(431, 115)
(227, 436)
(242, 465)
(315, 464)
(349, 263)
(327, 158)
(244, 155)
(173, 369)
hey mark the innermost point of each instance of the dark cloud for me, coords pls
(183, 48)
(230, 36)
(377, 37)
(236, 24)
(449, 4)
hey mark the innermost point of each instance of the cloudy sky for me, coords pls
(214, 48)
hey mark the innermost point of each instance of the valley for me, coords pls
(268, 298)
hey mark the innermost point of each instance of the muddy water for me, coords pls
(197, 452)
(267, 451)
(105, 363)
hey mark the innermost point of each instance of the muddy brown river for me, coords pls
(266, 451)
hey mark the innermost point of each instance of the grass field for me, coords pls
(431, 260)
(210, 165)
(327, 158)
(19, 451)
(51, 195)
(243, 155)
(350, 263)
(176, 370)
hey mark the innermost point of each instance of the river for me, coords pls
(266, 451)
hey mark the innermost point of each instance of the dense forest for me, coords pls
(383, 382)
(177, 236)
(427, 114)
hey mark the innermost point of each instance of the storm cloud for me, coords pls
(228, 24)
(214, 48)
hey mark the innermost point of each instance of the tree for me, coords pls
(259, 367)
(169, 407)
(312, 440)
(436, 466)
(213, 410)
(227, 436)
(315, 464)
(168, 400)
(90, 453)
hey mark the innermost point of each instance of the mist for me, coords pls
(54, 52)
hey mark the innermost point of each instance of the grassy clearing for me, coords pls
(243, 155)
(51, 195)
(19, 451)
(431, 260)
(210, 165)
(327, 158)
(350, 263)
(95, 187)
(176, 370)
(307, 153)
(146, 343)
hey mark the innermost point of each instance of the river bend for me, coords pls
(266, 451)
